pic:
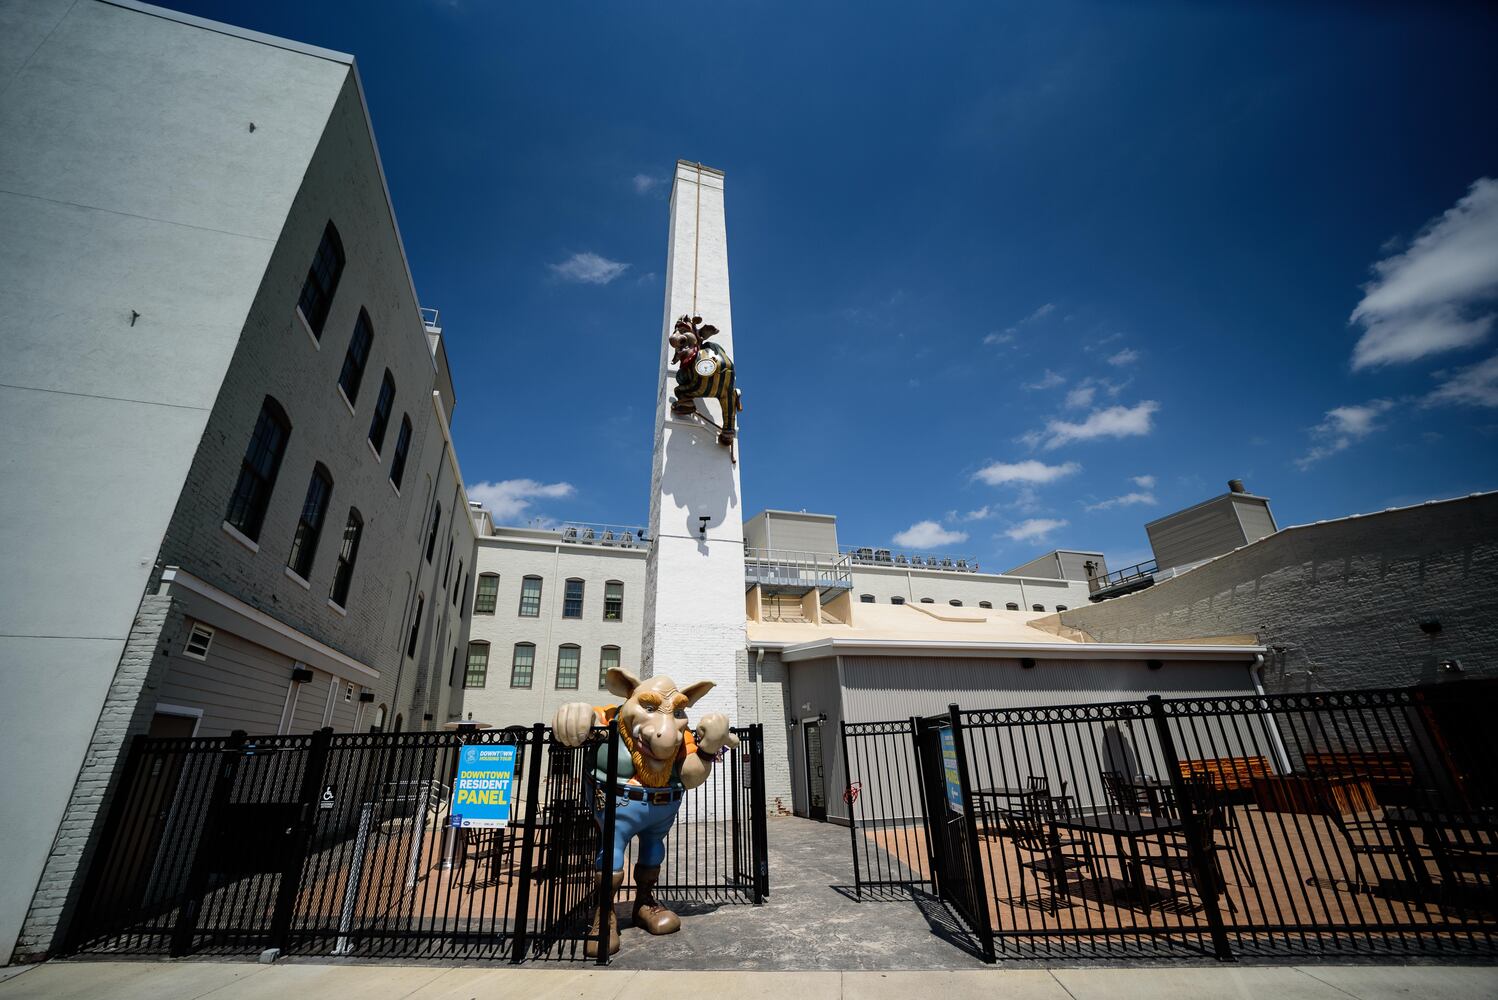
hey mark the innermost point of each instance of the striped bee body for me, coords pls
(709, 375)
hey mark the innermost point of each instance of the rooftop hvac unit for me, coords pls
(627, 539)
(900, 560)
(608, 538)
(588, 535)
(881, 555)
(917, 561)
(946, 562)
(962, 564)
(569, 534)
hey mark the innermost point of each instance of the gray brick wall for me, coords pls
(1341, 601)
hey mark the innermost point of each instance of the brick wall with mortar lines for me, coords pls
(763, 699)
(1344, 599)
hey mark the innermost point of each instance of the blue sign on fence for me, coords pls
(949, 768)
(482, 793)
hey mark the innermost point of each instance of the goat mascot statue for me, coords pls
(703, 371)
(659, 759)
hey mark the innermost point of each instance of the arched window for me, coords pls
(608, 659)
(613, 601)
(897, 600)
(421, 601)
(927, 600)
(402, 449)
(258, 470)
(487, 594)
(530, 597)
(1011, 606)
(569, 657)
(866, 598)
(1037, 607)
(343, 576)
(432, 533)
(476, 673)
(309, 525)
(1061, 607)
(572, 598)
(522, 665)
(986, 604)
(955, 603)
(322, 281)
(354, 360)
(383, 405)
(378, 726)
(400, 722)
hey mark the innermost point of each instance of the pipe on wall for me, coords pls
(1256, 675)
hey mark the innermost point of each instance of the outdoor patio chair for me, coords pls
(1175, 856)
(1051, 856)
(1369, 838)
(1123, 795)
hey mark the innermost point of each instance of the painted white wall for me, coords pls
(694, 623)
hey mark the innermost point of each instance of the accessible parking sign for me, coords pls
(482, 792)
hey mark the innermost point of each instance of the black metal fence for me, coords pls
(1344, 822)
(342, 845)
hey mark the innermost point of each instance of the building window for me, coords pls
(613, 601)
(986, 604)
(572, 599)
(1011, 606)
(458, 591)
(415, 625)
(382, 409)
(378, 726)
(258, 470)
(866, 598)
(402, 446)
(348, 691)
(477, 672)
(447, 564)
(1061, 607)
(198, 641)
(608, 659)
(353, 528)
(432, 532)
(897, 600)
(955, 603)
(530, 597)
(927, 600)
(1037, 607)
(322, 281)
(452, 668)
(309, 525)
(486, 595)
(522, 665)
(568, 659)
(353, 361)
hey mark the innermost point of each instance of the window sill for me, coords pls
(307, 328)
(372, 449)
(344, 396)
(394, 488)
(342, 612)
(297, 578)
(241, 537)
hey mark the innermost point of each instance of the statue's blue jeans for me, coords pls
(649, 821)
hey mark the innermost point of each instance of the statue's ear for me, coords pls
(694, 692)
(706, 332)
(621, 682)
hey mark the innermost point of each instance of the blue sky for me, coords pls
(1005, 277)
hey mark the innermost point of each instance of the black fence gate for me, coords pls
(1355, 822)
(341, 844)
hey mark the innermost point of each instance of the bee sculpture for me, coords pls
(703, 371)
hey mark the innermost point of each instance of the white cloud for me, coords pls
(1047, 381)
(1081, 397)
(1028, 471)
(1040, 313)
(1342, 427)
(1127, 356)
(1473, 386)
(1035, 529)
(1127, 500)
(1143, 482)
(589, 268)
(1115, 422)
(509, 499)
(644, 183)
(928, 535)
(1439, 294)
(981, 514)
(996, 339)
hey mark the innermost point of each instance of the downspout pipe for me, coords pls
(1256, 674)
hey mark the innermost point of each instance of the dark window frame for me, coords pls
(348, 558)
(530, 667)
(402, 449)
(384, 404)
(533, 599)
(432, 533)
(572, 604)
(356, 358)
(421, 602)
(321, 283)
(577, 665)
(309, 524)
(485, 602)
(469, 673)
(613, 605)
(604, 665)
(259, 469)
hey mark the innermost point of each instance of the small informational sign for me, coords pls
(949, 768)
(329, 797)
(482, 792)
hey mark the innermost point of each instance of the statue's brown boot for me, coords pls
(590, 947)
(649, 913)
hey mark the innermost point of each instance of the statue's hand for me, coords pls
(572, 723)
(713, 733)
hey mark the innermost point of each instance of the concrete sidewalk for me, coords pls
(228, 981)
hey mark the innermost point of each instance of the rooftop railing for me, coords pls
(1129, 574)
(866, 556)
(625, 536)
(793, 569)
(429, 318)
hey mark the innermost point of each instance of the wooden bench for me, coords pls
(1228, 774)
(1383, 767)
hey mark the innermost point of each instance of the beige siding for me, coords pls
(1074, 564)
(1204, 531)
(1255, 517)
(239, 686)
(1045, 566)
(815, 685)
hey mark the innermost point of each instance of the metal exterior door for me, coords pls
(816, 788)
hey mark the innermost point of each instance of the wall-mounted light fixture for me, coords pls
(366, 696)
(1027, 662)
(1154, 664)
(301, 675)
(1450, 666)
(1431, 626)
(702, 524)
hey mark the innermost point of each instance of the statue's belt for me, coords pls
(650, 796)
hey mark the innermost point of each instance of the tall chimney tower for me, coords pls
(694, 580)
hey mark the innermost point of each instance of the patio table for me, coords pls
(1125, 828)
